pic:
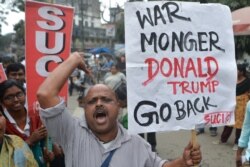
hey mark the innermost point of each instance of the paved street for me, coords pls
(171, 144)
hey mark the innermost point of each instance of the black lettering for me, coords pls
(161, 46)
(180, 109)
(152, 40)
(172, 14)
(163, 106)
(149, 115)
(201, 41)
(158, 15)
(191, 42)
(144, 18)
(214, 41)
(206, 102)
(178, 40)
(196, 106)
(190, 108)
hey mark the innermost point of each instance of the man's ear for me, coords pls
(122, 104)
(119, 103)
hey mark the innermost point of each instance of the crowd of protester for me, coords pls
(18, 126)
(97, 137)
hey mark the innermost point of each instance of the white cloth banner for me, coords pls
(181, 68)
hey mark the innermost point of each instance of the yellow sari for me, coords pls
(16, 153)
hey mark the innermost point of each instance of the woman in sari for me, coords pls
(19, 122)
(14, 152)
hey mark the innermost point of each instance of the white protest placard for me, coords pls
(181, 68)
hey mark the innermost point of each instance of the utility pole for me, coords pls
(81, 23)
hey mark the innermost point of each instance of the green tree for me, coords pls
(19, 28)
(5, 41)
(120, 31)
(7, 6)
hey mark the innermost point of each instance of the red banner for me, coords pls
(48, 43)
(2, 73)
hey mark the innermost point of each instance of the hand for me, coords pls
(47, 155)
(82, 65)
(57, 150)
(37, 135)
(79, 59)
(192, 155)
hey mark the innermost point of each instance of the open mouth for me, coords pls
(17, 106)
(100, 116)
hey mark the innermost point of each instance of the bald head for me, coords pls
(101, 111)
(100, 90)
(100, 87)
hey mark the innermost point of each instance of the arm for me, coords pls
(244, 137)
(191, 156)
(123, 77)
(47, 93)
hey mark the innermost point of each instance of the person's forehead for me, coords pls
(100, 90)
(12, 90)
(20, 71)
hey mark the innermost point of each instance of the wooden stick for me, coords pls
(194, 140)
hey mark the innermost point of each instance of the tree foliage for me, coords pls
(120, 37)
(7, 6)
(5, 41)
(19, 28)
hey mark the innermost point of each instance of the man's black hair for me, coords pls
(8, 84)
(14, 67)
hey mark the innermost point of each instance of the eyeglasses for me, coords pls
(11, 98)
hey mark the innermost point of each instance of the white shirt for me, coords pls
(26, 129)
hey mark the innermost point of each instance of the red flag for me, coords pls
(48, 43)
(2, 73)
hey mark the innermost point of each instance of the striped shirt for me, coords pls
(83, 149)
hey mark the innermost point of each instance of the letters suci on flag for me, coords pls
(48, 43)
(181, 68)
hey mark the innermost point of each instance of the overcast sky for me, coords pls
(12, 19)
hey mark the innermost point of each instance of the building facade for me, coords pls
(88, 31)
